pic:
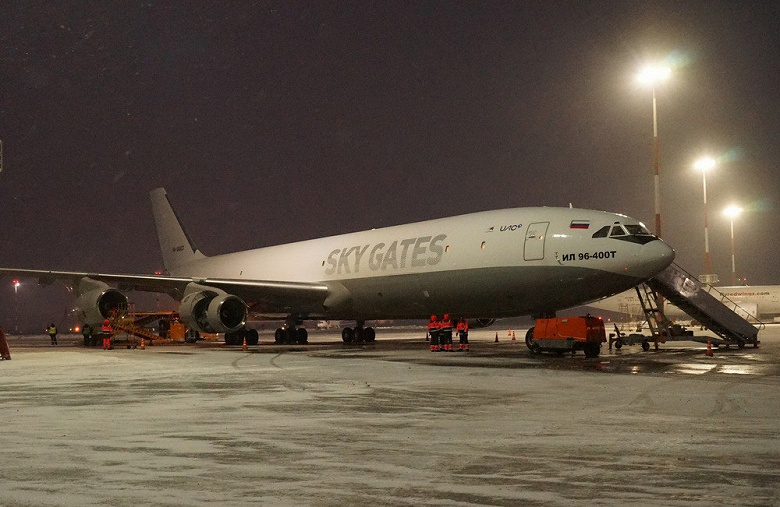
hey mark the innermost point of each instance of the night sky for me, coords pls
(271, 122)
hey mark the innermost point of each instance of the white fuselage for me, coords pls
(488, 264)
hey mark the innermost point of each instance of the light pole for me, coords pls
(704, 164)
(16, 305)
(650, 76)
(733, 212)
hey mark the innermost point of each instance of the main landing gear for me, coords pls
(237, 337)
(358, 334)
(291, 334)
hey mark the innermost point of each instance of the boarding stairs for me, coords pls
(654, 316)
(707, 305)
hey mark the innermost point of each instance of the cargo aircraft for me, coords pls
(483, 266)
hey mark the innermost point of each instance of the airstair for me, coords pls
(707, 305)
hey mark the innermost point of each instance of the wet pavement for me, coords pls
(389, 424)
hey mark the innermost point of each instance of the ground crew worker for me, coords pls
(433, 330)
(463, 335)
(52, 331)
(445, 333)
(5, 353)
(105, 330)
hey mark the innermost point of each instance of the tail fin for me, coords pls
(176, 245)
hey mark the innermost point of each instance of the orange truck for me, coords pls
(567, 334)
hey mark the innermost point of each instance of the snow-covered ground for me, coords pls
(391, 424)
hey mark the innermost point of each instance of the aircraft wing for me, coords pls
(260, 295)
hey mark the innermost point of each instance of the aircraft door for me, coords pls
(534, 241)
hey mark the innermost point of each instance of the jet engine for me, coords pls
(212, 311)
(93, 306)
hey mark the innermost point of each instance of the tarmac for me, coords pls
(389, 423)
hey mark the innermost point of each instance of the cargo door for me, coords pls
(534, 241)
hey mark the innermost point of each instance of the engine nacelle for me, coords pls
(98, 304)
(213, 311)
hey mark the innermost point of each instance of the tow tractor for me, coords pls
(567, 334)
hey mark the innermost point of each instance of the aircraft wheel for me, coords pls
(369, 334)
(645, 345)
(279, 335)
(290, 336)
(359, 334)
(529, 339)
(592, 350)
(741, 344)
(191, 336)
(252, 337)
(618, 343)
(348, 335)
(302, 336)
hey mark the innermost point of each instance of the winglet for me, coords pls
(176, 245)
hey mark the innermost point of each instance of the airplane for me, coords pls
(485, 265)
(749, 301)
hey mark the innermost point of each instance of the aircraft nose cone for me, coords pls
(655, 257)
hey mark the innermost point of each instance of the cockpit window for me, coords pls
(634, 233)
(617, 230)
(637, 229)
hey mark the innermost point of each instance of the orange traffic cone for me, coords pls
(509, 332)
(143, 344)
(513, 336)
(243, 347)
(496, 338)
(709, 348)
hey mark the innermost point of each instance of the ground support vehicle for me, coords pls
(567, 334)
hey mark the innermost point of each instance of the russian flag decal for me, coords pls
(579, 224)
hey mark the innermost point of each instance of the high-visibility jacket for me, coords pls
(446, 326)
(463, 327)
(106, 329)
